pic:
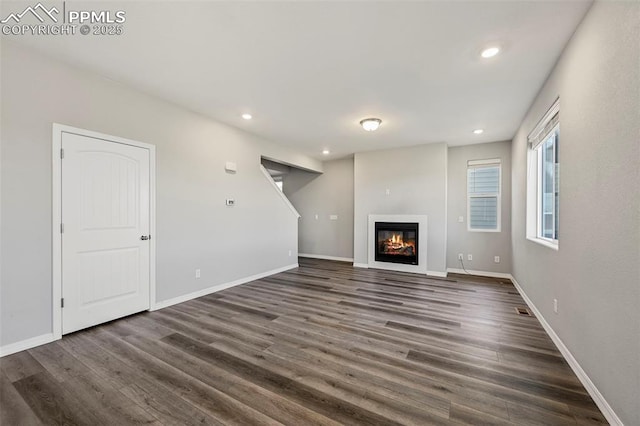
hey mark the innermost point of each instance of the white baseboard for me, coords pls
(479, 273)
(23, 345)
(591, 388)
(323, 257)
(361, 265)
(437, 274)
(218, 287)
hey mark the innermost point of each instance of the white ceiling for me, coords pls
(310, 71)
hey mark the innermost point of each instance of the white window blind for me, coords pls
(483, 192)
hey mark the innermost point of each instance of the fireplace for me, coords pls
(396, 242)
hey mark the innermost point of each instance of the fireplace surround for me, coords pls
(420, 267)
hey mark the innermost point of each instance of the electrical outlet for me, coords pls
(555, 305)
(496, 259)
(469, 257)
(460, 256)
(387, 192)
(460, 219)
(197, 273)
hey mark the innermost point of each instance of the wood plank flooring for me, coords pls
(323, 344)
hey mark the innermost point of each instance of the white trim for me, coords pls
(219, 287)
(479, 273)
(421, 267)
(437, 274)
(56, 237)
(265, 172)
(322, 256)
(544, 242)
(23, 345)
(485, 162)
(56, 214)
(591, 388)
(360, 265)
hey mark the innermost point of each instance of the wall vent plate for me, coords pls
(523, 311)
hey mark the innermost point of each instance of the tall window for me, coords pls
(483, 195)
(543, 180)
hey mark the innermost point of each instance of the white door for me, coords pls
(106, 218)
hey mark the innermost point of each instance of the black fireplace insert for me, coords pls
(397, 242)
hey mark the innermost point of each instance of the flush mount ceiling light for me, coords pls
(326, 151)
(247, 116)
(490, 52)
(370, 124)
(478, 131)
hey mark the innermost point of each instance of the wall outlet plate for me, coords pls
(469, 257)
(496, 259)
(230, 202)
(460, 256)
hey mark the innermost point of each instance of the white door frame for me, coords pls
(56, 215)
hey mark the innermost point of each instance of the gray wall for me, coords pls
(330, 193)
(482, 245)
(417, 180)
(595, 274)
(191, 187)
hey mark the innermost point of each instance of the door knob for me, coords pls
(145, 237)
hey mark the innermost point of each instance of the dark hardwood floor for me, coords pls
(324, 344)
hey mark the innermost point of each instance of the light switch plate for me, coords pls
(230, 202)
(333, 217)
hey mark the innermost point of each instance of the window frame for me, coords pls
(476, 164)
(548, 126)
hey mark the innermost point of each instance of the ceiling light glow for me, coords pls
(247, 116)
(478, 131)
(326, 152)
(490, 52)
(370, 124)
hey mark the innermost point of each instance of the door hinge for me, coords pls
(62, 302)
(62, 228)
(61, 153)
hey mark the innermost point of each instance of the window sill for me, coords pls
(544, 242)
(483, 230)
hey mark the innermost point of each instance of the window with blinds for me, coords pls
(483, 195)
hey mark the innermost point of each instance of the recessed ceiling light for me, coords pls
(370, 124)
(490, 52)
(247, 116)
(478, 131)
(326, 152)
